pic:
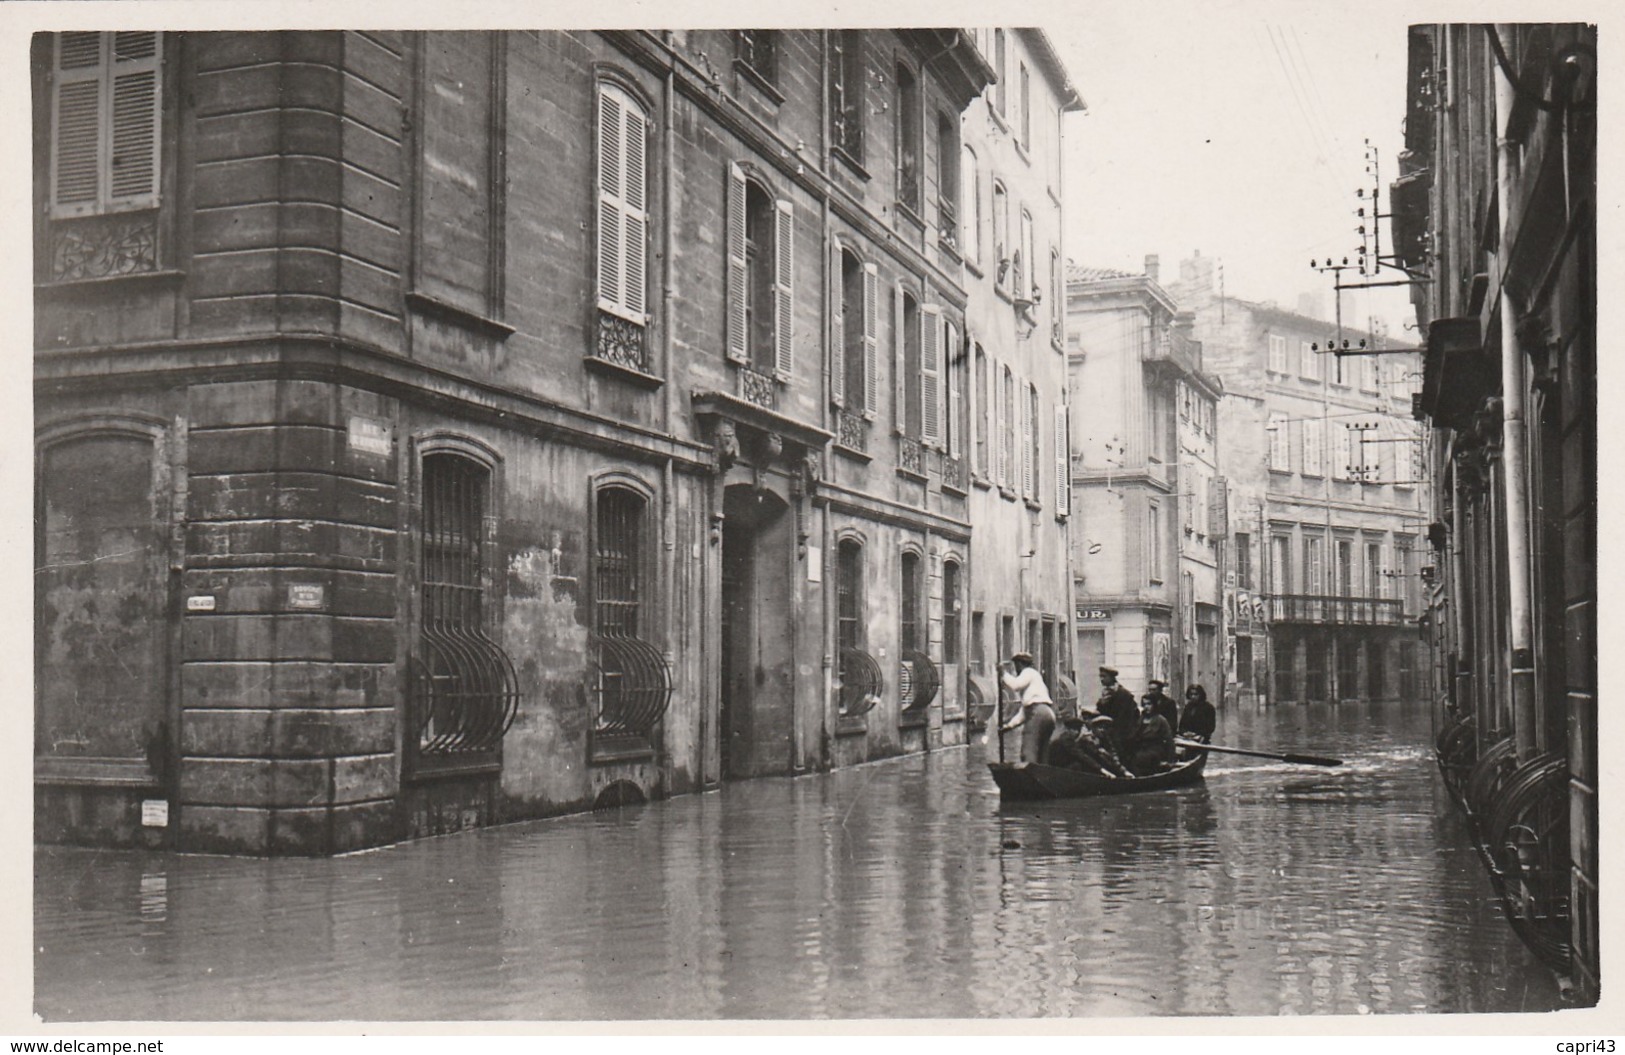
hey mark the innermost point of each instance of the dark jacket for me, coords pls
(1198, 720)
(1117, 703)
(1151, 745)
(1167, 707)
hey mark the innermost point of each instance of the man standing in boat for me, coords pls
(1117, 703)
(1037, 711)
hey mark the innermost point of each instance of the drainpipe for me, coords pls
(668, 512)
(1463, 673)
(1520, 623)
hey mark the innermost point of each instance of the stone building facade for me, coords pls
(1147, 549)
(1327, 529)
(437, 429)
(1496, 207)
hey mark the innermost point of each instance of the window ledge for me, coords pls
(850, 162)
(982, 482)
(1006, 493)
(851, 725)
(906, 211)
(1021, 152)
(601, 365)
(448, 767)
(852, 452)
(1036, 507)
(623, 748)
(954, 489)
(915, 719)
(998, 116)
(751, 74)
(451, 313)
(973, 267)
(67, 286)
(910, 474)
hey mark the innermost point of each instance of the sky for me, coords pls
(1237, 130)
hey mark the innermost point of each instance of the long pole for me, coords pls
(1515, 469)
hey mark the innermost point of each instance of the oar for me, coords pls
(1301, 760)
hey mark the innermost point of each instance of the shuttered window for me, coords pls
(1063, 469)
(623, 217)
(953, 355)
(105, 122)
(761, 277)
(871, 341)
(931, 376)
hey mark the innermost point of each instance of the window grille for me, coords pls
(919, 682)
(860, 679)
(630, 678)
(950, 612)
(463, 690)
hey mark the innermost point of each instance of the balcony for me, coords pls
(1336, 611)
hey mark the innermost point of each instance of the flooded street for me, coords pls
(899, 889)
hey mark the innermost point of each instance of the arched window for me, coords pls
(861, 681)
(463, 687)
(631, 682)
(951, 605)
(909, 603)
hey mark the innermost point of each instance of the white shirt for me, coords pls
(1030, 684)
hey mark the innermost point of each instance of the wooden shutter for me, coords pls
(952, 357)
(634, 245)
(1026, 445)
(837, 326)
(784, 284)
(611, 117)
(105, 121)
(1001, 462)
(899, 363)
(737, 348)
(930, 375)
(1063, 473)
(871, 341)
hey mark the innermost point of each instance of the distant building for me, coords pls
(442, 428)
(1326, 540)
(1147, 546)
(1496, 208)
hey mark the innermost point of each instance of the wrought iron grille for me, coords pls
(462, 687)
(758, 388)
(910, 455)
(861, 683)
(631, 684)
(947, 224)
(919, 682)
(851, 430)
(1526, 842)
(953, 472)
(630, 680)
(622, 343)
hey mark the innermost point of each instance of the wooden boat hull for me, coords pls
(1032, 782)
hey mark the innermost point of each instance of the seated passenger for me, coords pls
(1198, 720)
(1151, 746)
(1096, 742)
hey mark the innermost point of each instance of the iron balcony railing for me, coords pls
(1336, 611)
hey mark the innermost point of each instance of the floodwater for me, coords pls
(899, 889)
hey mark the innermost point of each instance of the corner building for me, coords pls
(438, 429)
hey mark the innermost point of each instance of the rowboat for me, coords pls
(1036, 782)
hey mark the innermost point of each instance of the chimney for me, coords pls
(1152, 267)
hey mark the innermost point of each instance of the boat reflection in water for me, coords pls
(899, 889)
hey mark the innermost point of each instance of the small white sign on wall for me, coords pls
(202, 603)
(155, 813)
(370, 436)
(815, 564)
